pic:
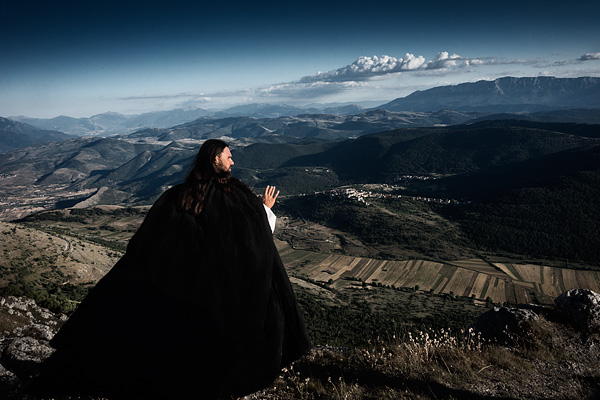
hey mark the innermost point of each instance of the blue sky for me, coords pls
(81, 58)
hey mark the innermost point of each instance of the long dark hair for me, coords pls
(203, 172)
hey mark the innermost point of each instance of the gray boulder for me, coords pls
(506, 326)
(580, 308)
(25, 333)
(7, 377)
(23, 355)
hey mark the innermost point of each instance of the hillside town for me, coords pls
(362, 195)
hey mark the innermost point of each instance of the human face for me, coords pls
(223, 161)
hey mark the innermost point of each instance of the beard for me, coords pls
(220, 168)
(223, 176)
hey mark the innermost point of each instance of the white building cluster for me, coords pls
(362, 195)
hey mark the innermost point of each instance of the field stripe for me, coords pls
(470, 285)
(486, 285)
(506, 270)
(569, 279)
(357, 270)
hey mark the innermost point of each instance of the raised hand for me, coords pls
(270, 196)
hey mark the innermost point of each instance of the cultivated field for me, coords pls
(474, 278)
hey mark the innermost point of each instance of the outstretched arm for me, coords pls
(270, 196)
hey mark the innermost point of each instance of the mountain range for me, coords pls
(315, 126)
(505, 95)
(111, 123)
(519, 96)
(14, 134)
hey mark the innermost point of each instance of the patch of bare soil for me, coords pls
(315, 237)
(31, 254)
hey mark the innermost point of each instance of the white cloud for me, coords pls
(475, 61)
(303, 90)
(444, 60)
(367, 67)
(589, 56)
(569, 62)
(163, 96)
(362, 73)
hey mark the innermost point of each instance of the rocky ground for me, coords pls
(25, 330)
(525, 352)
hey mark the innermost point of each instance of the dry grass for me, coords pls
(553, 362)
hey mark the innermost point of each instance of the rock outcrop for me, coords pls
(25, 332)
(581, 308)
(504, 325)
(577, 308)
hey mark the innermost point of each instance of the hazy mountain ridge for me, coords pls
(505, 95)
(14, 135)
(258, 110)
(112, 123)
(315, 126)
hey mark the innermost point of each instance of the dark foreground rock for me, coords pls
(577, 308)
(504, 325)
(25, 332)
(581, 308)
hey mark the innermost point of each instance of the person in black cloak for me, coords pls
(200, 306)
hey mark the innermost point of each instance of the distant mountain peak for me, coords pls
(507, 94)
(15, 134)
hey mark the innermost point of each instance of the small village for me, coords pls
(362, 195)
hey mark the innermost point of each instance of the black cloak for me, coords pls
(198, 307)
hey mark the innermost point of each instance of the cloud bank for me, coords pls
(301, 90)
(589, 56)
(365, 68)
(359, 73)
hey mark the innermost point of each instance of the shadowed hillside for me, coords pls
(14, 135)
(384, 156)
